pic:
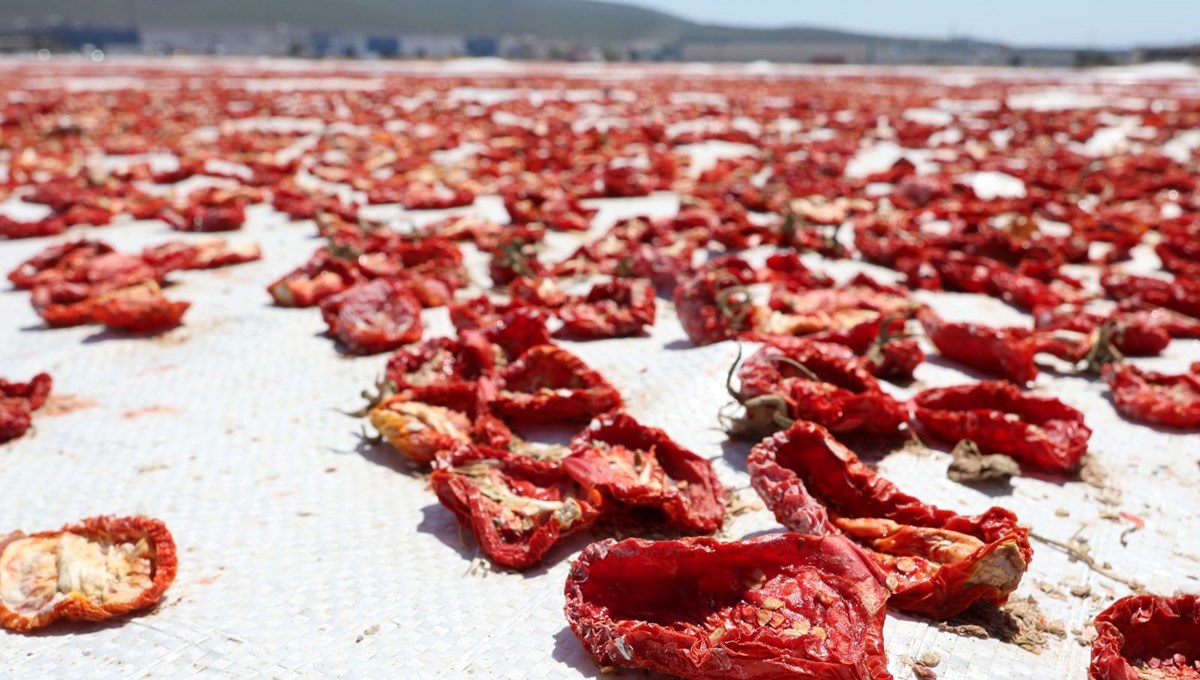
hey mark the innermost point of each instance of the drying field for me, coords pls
(519, 248)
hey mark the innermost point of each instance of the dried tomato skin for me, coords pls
(15, 418)
(1144, 627)
(678, 607)
(373, 317)
(807, 478)
(76, 606)
(515, 549)
(698, 506)
(1048, 435)
(1151, 397)
(531, 388)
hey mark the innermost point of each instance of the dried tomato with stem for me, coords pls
(97, 569)
(937, 562)
(1152, 397)
(640, 466)
(816, 381)
(715, 304)
(776, 606)
(517, 508)
(1038, 432)
(1148, 636)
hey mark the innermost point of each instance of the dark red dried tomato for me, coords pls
(548, 384)
(63, 262)
(442, 371)
(1148, 636)
(373, 317)
(641, 466)
(1039, 432)
(882, 342)
(611, 309)
(516, 507)
(512, 328)
(207, 254)
(1181, 295)
(775, 606)
(816, 381)
(937, 562)
(714, 304)
(35, 391)
(1151, 397)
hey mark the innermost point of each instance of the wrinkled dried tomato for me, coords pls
(783, 605)
(516, 507)
(611, 309)
(1151, 397)
(139, 309)
(640, 466)
(373, 317)
(548, 384)
(937, 562)
(1148, 636)
(420, 431)
(91, 571)
(1002, 352)
(816, 381)
(1039, 432)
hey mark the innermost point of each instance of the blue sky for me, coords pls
(1110, 23)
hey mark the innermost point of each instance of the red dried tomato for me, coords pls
(1039, 432)
(139, 309)
(548, 383)
(35, 391)
(713, 304)
(442, 371)
(882, 342)
(206, 254)
(517, 507)
(611, 309)
(1152, 397)
(937, 562)
(641, 466)
(1002, 352)
(776, 606)
(1148, 636)
(814, 381)
(323, 275)
(1181, 295)
(63, 262)
(91, 571)
(373, 317)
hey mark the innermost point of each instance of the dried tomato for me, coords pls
(642, 466)
(139, 309)
(420, 431)
(714, 304)
(814, 381)
(373, 317)
(776, 606)
(882, 342)
(17, 403)
(611, 309)
(1181, 295)
(937, 562)
(1148, 636)
(1039, 432)
(64, 262)
(516, 507)
(442, 371)
(91, 571)
(1151, 397)
(1003, 352)
(323, 275)
(35, 391)
(548, 383)
(206, 254)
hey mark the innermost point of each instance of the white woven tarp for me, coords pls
(305, 553)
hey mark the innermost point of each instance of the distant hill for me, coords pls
(588, 22)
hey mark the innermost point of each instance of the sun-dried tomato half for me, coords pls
(373, 317)
(63, 262)
(517, 507)
(91, 571)
(816, 381)
(548, 384)
(937, 562)
(206, 254)
(1181, 295)
(611, 309)
(139, 309)
(1148, 636)
(713, 304)
(323, 275)
(442, 371)
(1038, 432)
(420, 431)
(777, 606)
(1152, 397)
(35, 391)
(641, 466)
(1003, 352)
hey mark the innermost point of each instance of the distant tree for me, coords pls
(1092, 58)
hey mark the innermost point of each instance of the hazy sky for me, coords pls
(1115, 23)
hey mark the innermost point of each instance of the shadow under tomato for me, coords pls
(440, 523)
(569, 651)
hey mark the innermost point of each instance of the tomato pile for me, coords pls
(923, 185)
